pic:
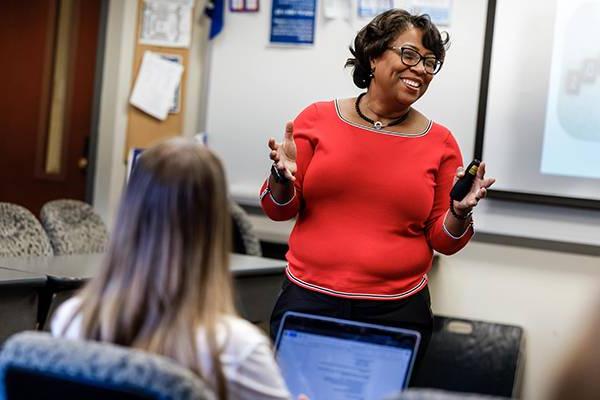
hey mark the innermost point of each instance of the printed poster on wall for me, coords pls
(438, 10)
(293, 22)
(371, 8)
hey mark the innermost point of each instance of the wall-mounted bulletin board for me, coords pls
(165, 29)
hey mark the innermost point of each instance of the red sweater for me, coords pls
(370, 206)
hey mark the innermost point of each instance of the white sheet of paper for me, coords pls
(166, 23)
(155, 85)
(251, 4)
(371, 8)
(337, 9)
(438, 10)
(237, 5)
(403, 4)
(188, 3)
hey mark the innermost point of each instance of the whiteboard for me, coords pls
(542, 128)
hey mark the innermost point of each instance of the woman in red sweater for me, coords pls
(368, 179)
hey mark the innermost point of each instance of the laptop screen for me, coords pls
(328, 358)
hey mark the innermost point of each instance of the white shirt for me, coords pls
(247, 360)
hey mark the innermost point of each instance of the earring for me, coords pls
(372, 74)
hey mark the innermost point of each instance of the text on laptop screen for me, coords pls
(344, 365)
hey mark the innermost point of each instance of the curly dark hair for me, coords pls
(372, 40)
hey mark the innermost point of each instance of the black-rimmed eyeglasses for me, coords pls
(411, 58)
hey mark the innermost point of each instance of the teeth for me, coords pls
(411, 83)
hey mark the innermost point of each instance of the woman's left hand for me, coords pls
(478, 190)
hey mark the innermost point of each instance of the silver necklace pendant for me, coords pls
(377, 125)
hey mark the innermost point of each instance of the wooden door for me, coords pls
(47, 76)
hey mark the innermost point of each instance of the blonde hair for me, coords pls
(167, 268)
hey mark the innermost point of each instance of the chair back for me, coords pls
(35, 365)
(21, 234)
(473, 357)
(245, 240)
(73, 227)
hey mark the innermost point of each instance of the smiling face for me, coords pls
(394, 80)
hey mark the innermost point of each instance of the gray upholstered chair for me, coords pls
(245, 240)
(35, 365)
(73, 227)
(21, 233)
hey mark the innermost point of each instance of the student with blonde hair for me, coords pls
(165, 286)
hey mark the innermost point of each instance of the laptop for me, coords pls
(330, 358)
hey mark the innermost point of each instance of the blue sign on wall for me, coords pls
(293, 21)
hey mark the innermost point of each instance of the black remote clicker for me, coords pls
(464, 184)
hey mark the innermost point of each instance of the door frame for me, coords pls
(90, 178)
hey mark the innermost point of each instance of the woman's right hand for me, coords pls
(284, 154)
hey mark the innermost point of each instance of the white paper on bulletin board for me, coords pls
(166, 23)
(438, 10)
(371, 8)
(155, 85)
(337, 9)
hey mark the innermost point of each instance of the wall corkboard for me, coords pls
(144, 130)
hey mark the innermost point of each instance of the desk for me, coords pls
(67, 272)
(73, 270)
(18, 301)
(257, 284)
(257, 279)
